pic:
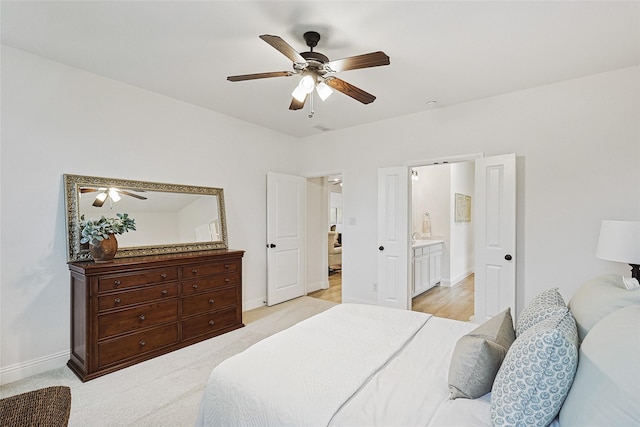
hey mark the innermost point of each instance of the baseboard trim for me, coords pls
(461, 277)
(255, 303)
(32, 367)
(323, 284)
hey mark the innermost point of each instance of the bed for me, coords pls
(363, 365)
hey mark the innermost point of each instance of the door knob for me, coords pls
(271, 245)
(508, 257)
(381, 248)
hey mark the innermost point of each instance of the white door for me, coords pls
(393, 236)
(286, 214)
(494, 219)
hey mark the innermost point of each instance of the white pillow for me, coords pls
(598, 298)
(545, 305)
(478, 356)
(536, 374)
(607, 384)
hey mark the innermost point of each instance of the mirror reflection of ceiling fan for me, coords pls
(111, 193)
(317, 71)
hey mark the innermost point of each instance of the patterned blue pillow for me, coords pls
(546, 305)
(536, 374)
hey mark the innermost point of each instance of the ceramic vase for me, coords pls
(104, 250)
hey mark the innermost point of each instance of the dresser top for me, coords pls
(154, 260)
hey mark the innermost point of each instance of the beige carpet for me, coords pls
(165, 391)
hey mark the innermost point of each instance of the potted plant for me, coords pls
(100, 234)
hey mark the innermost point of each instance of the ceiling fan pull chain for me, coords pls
(311, 110)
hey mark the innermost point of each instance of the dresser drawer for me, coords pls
(136, 344)
(138, 317)
(201, 270)
(210, 322)
(126, 298)
(111, 283)
(201, 303)
(193, 286)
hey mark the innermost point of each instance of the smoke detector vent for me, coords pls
(322, 127)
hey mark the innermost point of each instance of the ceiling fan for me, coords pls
(318, 71)
(109, 193)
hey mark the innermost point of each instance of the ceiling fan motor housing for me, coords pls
(311, 38)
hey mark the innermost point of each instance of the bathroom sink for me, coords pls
(423, 242)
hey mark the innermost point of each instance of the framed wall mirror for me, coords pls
(169, 218)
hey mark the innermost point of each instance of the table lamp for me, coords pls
(620, 241)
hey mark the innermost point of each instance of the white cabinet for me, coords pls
(427, 266)
(435, 264)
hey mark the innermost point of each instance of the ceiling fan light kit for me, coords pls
(318, 71)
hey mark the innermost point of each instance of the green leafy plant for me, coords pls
(100, 229)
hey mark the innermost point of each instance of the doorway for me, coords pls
(325, 237)
(442, 239)
(494, 217)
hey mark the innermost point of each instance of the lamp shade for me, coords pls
(619, 241)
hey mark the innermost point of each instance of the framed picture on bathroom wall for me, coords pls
(460, 207)
(463, 208)
(467, 208)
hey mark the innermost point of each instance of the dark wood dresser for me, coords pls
(134, 309)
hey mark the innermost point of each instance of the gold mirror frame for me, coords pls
(76, 251)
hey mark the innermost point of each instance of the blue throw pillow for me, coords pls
(536, 374)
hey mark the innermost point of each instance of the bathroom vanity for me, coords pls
(426, 258)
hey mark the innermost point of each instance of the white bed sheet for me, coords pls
(303, 375)
(412, 387)
(406, 387)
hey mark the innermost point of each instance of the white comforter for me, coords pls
(351, 365)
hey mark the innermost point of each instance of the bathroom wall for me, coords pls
(434, 192)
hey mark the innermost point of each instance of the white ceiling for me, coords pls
(447, 51)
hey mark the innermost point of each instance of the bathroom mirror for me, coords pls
(169, 218)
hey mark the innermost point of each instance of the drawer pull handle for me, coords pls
(227, 266)
(211, 322)
(211, 301)
(227, 280)
(141, 317)
(163, 275)
(194, 271)
(165, 292)
(116, 282)
(194, 286)
(117, 300)
(142, 343)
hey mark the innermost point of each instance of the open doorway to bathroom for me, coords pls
(332, 212)
(442, 247)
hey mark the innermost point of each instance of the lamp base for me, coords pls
(635, 271)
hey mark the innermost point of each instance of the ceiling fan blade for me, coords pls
(88, 190)
(133, 195)
(259, 76)
(296, 105)
(350, 90)
(98, 203)
(284, 48)
(373, 59)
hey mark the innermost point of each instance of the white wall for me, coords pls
(577, 145)
(435, 192)
(56, 120)
(461, 256)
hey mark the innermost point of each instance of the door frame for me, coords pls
(449, 160)
(324, 243)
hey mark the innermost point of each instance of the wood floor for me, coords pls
(451, 303)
